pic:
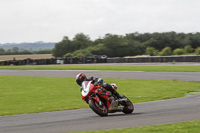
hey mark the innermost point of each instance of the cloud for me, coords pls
(50, 20)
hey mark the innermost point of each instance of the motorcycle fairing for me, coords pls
(85, 88)
(96, 98)
(107, 96)
(88, 89)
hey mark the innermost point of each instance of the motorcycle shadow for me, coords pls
(112, 115)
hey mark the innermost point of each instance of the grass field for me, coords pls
(112, 68)
(40, 94)
(21, 57)
(181, 127)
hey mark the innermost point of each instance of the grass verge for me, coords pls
(40, 94)
(181, 127)
(112, 68)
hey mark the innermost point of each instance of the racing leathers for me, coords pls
(105, 85)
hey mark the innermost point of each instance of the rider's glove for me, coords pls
(81, 88)
(91, 78)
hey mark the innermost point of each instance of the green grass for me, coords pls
(40, 94)
(181, 127)
(113, 68)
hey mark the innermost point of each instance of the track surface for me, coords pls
(185, 76)
(158, 112)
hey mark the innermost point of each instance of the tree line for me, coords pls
(16, 51)
(112, 45)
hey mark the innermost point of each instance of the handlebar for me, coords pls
(98, 82)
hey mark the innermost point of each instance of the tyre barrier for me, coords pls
(67, 60)
(102, 59)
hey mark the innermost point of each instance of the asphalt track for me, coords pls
(185, 76)
(149, 113)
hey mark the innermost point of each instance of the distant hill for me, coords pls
(36, 46)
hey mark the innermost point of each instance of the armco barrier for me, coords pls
(154, 59)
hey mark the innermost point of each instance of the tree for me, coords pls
(68, 55)
(130, 44)
(118, 46)
(197, 51)
(150, 43)
(178, 51)
(188, 49)
(151, 51)
(25, 52)
(82, 52)
(46, 51)
(133, 48)
(113, 41)
(99, 49)
(166, 51)
(81, 41)
(194, 39)
(15, 49)
(2, 50)
(63, 47)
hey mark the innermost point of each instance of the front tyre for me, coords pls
(101, 110)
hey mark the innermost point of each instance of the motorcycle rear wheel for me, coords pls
(101, 110)
(128, 107)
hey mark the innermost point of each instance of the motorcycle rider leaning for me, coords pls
(110, 87)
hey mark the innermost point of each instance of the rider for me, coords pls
(110, 87)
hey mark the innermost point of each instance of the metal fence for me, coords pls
(154, 59)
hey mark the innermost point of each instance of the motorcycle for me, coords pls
(102, 102)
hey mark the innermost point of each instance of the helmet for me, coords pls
(114, 86)
(80, 78)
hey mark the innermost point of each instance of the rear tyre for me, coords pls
(128, 107)
(101, 110)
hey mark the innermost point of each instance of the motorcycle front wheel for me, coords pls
(101, 110)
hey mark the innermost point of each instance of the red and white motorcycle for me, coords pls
(102, 101)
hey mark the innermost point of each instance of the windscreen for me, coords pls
(85, 87)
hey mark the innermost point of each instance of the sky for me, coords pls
(51, 20)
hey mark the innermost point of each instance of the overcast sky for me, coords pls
(50, 20)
